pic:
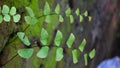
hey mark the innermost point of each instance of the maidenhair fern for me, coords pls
(23, 38)
(46, 9)
(43, 52)
(81, 18)
(25, 53)
(82, 45)
(44, 36)
(12, 11)
(6, 13)
(59, 54)
(92, 54)
(30, 19)
(61, 19)
(57, 9)
(68, 12)
(71, 19)
(90, 18)
(30, 12)
(58, 38)
(5, 10)
(48, 19)
(16, 18)
(86, 13)
(70, 40)
(77, 12)
(7, 18)
(85, 58)
(75, 56)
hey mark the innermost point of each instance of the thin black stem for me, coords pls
(9, 60)
(16, 34)
(46, 15)
(26, 28)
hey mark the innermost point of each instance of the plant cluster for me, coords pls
(30, 19)
(7, 14)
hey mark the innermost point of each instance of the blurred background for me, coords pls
(103, 33)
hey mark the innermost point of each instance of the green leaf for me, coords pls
(12, 11)
(5, 9)
(30, 11)
(70, 40)
(71, 19)
(33, 20)
(57, 9)
(90, 18)
(59, 54)
(92, 54)
(82, 45)
(23, 38)
(85, 59)
(6, 18)
(16, 18)
(61, 18)
(58, 38)
(48, 19)
(68, 12)
(44, 37)
(46, 9)
(75, 56)
(43, 52)
(30, 20)
(81, 18)
(27, 19)
(86, 13)
(1, 19)
(77, 12)
(25, 53)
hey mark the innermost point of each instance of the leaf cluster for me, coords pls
(6, 13)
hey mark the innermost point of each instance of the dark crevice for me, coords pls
(116, 43)
(71, 4)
